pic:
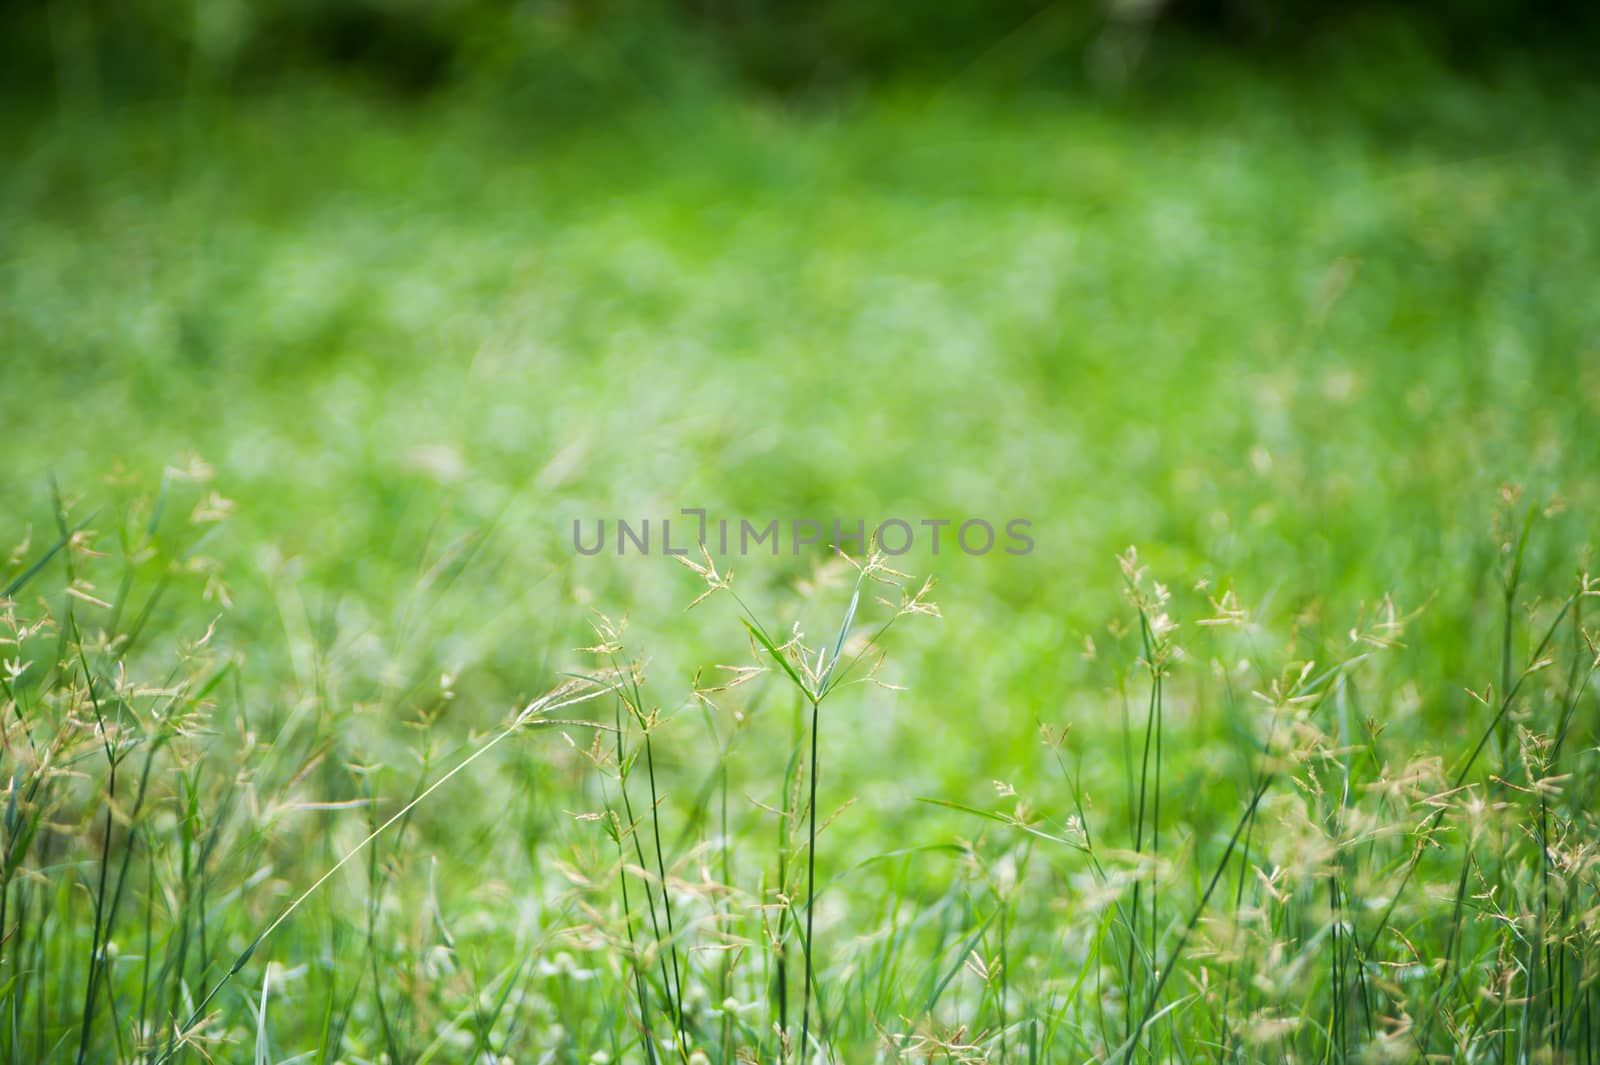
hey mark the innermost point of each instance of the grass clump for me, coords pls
(1350, 890)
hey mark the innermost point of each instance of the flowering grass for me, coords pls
(329, 747)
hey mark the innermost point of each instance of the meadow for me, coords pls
(322, 743)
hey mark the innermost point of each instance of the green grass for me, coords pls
(1295, 339)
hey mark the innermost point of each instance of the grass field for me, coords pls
(305, 392)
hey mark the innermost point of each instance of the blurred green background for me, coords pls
(1285, 296)
(1282, 295)
(561, 53)
(1283, 301)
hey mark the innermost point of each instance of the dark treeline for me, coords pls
(154, 48)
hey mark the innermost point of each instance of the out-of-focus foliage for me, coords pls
(568, 53)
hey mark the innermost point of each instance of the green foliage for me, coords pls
(571, 57)
(299, 757)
